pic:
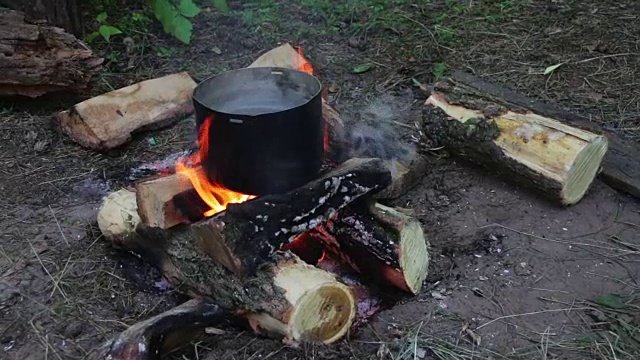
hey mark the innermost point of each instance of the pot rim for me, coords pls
(211, 78)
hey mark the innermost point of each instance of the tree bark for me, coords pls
(246, 235)
(64, 14)
(379, 242)
(287, 297)
(36, 59)
(621, 164)
(161, 334)
(557, 160)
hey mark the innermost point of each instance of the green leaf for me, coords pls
(611, 301)
(221, 5)
(182, 29)
(188, 9)
(439, 70)
(552, 68)
(165, 13)
(108, 31)
(152, 141)
(92, 36)
(101, 17)
(360, 69)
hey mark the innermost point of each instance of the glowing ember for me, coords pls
(216, 196)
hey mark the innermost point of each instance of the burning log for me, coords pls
(380, 242)
(36, 59)
(286, 297)
(245, 235)
(108, 120)
(162, 334)
(556, 159)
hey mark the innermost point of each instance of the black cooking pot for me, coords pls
(266, 129)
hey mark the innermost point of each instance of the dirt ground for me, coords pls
(512, 277)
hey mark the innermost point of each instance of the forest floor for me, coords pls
(512, 275)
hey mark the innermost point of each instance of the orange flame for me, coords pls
(302, 63)
(215, 196)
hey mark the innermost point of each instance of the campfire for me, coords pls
(300, 245)
(306, 264)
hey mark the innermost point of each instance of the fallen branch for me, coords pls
(161, 334)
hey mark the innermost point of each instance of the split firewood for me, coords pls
(108, 120)
(246, 234)
(287, 298)
(621, 164)
(556, 159)
(381, 242)
(162, 334)
(36, 58)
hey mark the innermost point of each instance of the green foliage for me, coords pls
(361, 69)
(104, 30)
(175, 15)
(221, 5)
(438, 70)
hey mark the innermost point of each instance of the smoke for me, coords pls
(373, 133)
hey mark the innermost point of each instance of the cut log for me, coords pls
(36, 59)
(156, 206)
(557, 160)
(162, 334)
(287, 298)
(621, 164)
(405, 175)
(380, 242)
(108, 120)
(246, 235)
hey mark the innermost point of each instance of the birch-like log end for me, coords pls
(558, 160)
(322, 309)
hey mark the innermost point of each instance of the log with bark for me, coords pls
(246, 234)
(556, 159)
(286, 298)
(162, 334)
(108, 120)
(60, 13)
(380, 242)
(621, 164)
(36, 58)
